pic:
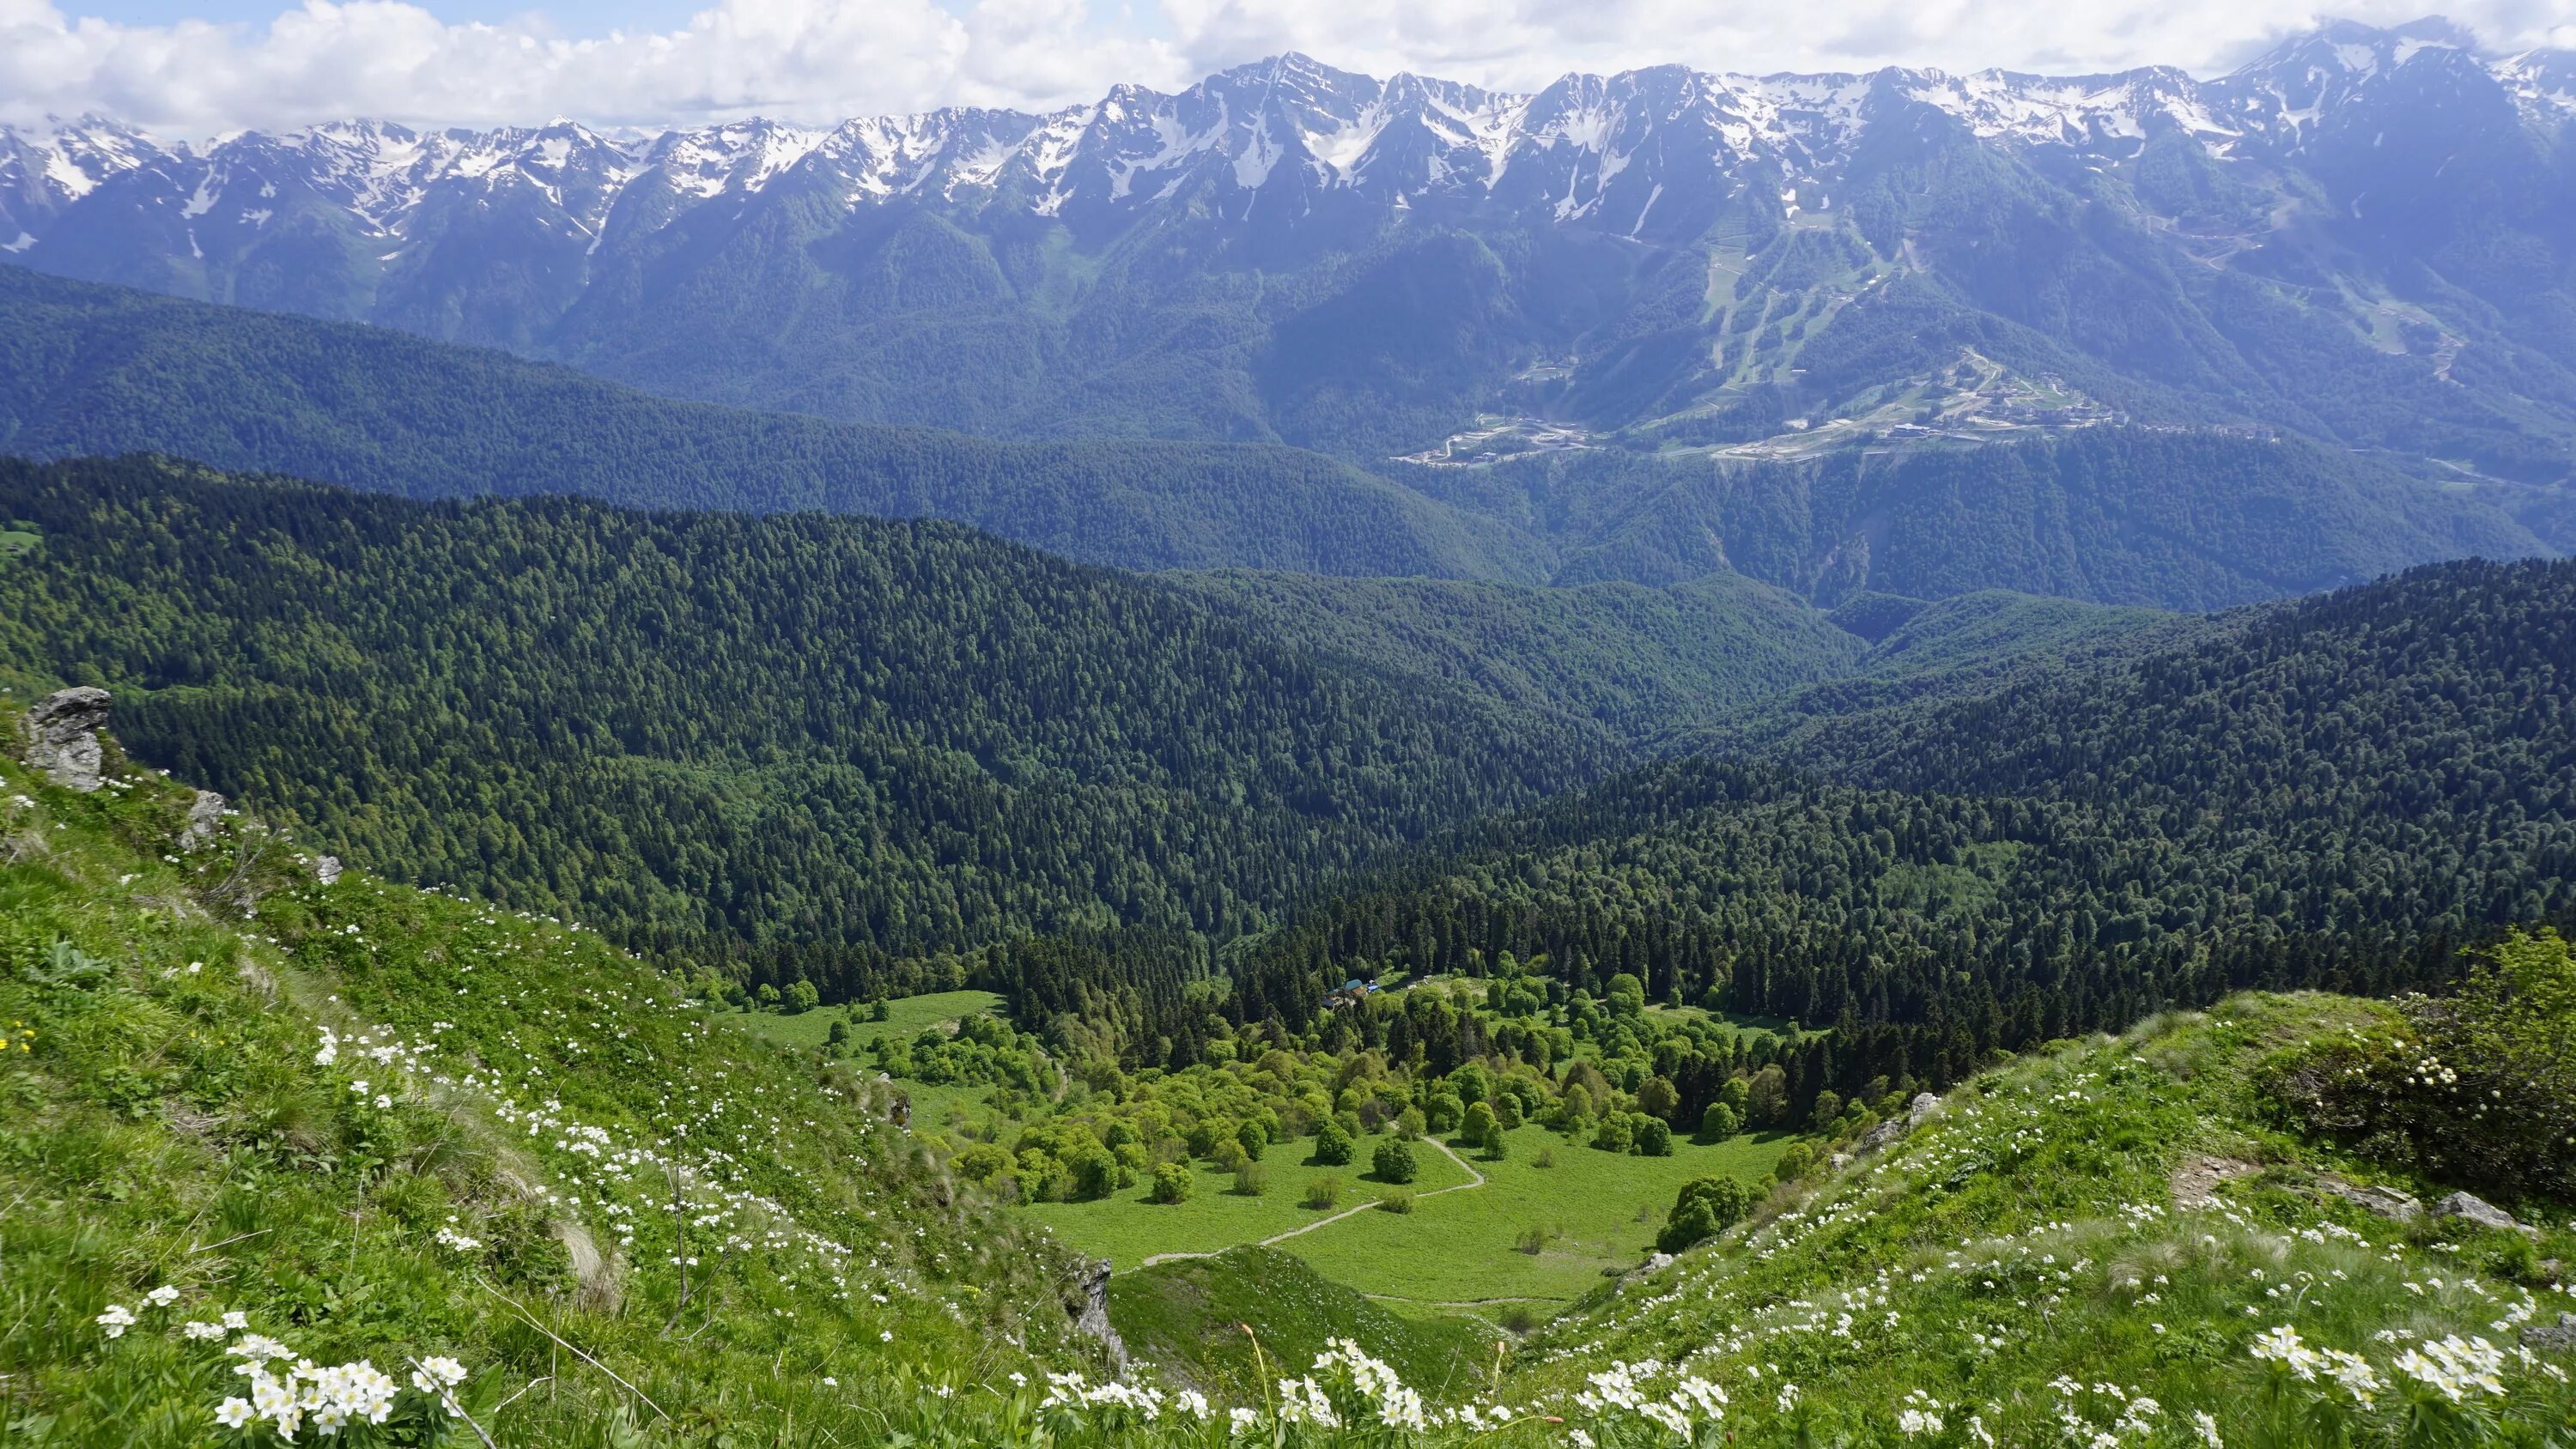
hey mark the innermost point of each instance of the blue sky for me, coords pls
(648, 63)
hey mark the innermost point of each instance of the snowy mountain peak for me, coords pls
(1598, 150)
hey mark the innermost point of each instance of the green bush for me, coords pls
(1395, 1162)
(1706, 1207)
(1615, 1133)
(2481, 1091)
(1398, 1203)
(1332, 1145)
(1795, 1160)
(1324, 1191)
(1251, 1179)
(1480, 1129)
(1095, 1175)
(1171, 1183)
(1654, 1137)
(1719, 1122)
(1255, 1140)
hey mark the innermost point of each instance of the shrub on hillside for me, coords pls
(1395, 1161)
(1480, 1128)
(1706, 1207)
(2478, 1089)
(1795, 1161)
(1324, 1191)
(1719, 1122)
(1171, 1183)
(1332, 1145)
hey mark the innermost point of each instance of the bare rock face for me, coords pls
(2477, 1210)
(2560, 1336)
(1880, 1135)
(62, 736)
(1922, 1109)
(1091, 1313)
(205, 814)
(2386, 1202)
(326, 869)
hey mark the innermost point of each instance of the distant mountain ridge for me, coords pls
(2168, 518)
(2362, 236)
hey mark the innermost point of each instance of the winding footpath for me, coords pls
(1474, 1180)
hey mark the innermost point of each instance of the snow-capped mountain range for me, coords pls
(1273, 139)
(2364, 235)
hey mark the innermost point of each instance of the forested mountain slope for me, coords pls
(305, 1153)
(103, 370)
(1718, 656)
(2161, 517)
(2170, 519)
(839, 738)
(1641, 661)
(2331, 792)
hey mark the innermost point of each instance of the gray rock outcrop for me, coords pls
(2386, 1202)
(62, 736)
(205, 815)
(1091, 1313)
(2477, 1210)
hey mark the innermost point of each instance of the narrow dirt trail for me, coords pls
(1474, 1180)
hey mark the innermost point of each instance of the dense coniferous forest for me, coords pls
(2131, 516)
(830, 740)
(100, 370)
(2335, 792)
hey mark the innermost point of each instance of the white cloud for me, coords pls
(819, 60)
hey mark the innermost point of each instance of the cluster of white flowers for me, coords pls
(454, 1241)
(2454, 1368)
(2133, 1415)
(1621, 1389)
(331, 1397)
(1072, 1391)
(1919, 1414)
(1378, 1389)
(298, 1389)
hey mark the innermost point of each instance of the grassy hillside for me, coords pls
(86, 369)
(396, 1128)
(824, 739)
(2103, 1240)
(383, 1123)
(1189, 1318)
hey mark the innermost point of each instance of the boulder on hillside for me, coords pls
(62, 736)
(2477, 1210)
(205, 813)
(1922, 1109)
(2386, 1202)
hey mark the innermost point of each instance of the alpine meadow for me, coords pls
(1198, 751)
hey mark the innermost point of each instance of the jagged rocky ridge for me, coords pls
(2358, 236)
